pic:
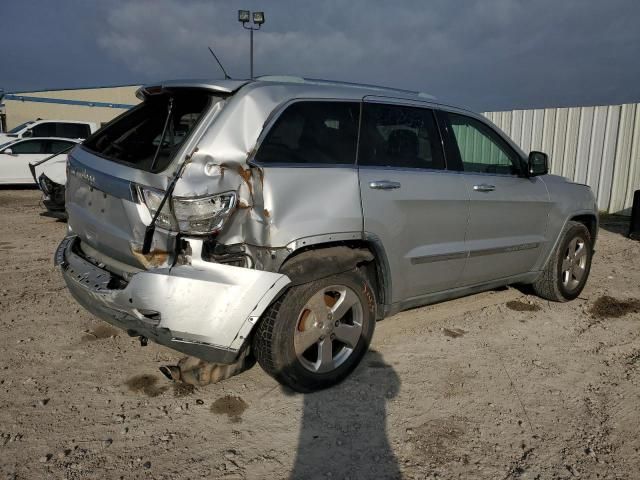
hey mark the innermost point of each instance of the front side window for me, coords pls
(28, 147)
(135, 137)
(313, 133)
(399, 136)
(481, 149)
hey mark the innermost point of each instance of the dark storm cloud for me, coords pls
(490, 54)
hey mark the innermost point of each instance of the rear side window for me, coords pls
(72, 130)
(47, 129)
(55, 146)
(399, 136)
(135, 137)
(481, 149)
(29, 147)
(313, 133)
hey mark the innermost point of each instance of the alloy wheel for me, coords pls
(574, 264)
(328, 329)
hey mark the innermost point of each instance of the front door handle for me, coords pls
(384, 185)
(483, 187)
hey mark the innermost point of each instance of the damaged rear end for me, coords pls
(182, 289)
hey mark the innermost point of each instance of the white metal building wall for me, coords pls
(599, 146)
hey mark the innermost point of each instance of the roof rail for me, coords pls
(318, 81)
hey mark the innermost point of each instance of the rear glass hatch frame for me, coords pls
(133, 138)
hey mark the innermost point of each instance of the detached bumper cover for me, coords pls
(205, 309)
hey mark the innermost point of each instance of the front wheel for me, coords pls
(317, 333)
(566, 272)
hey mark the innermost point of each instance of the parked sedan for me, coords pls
(16, 156)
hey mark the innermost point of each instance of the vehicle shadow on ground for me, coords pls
(60, 217)
(615, 224)
(343, 432)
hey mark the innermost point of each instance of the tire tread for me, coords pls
(546, 285)
(269, 340)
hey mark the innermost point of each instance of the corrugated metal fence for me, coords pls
(599, 146)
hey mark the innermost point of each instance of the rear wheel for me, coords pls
(317, 333)
(566, 272)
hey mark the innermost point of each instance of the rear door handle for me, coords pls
(384, 185)
(483, 187)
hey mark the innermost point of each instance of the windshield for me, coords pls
(135, 137)
(19, 127)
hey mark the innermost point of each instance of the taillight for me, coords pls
(197, 216)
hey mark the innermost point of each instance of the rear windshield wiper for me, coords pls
(164, 133)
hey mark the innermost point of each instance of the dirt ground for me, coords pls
(497, 385)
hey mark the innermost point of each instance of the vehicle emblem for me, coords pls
(82, 174)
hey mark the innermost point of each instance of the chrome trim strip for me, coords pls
(438, 258)
(512, 248)
(476, 253)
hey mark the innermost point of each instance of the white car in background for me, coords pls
(16, 156)
(50, 128)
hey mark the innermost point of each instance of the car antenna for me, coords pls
(226, 75)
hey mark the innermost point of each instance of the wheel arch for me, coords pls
(320, 260)
(589, 220)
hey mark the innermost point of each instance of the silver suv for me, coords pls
(279, 218)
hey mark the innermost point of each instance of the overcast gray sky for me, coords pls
(486, 54)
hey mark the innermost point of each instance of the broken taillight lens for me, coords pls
(196, 216)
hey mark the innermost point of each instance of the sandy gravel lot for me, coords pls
(498, 385)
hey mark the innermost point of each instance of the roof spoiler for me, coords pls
(217, 86)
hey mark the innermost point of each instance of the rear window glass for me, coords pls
(135, 137)
(313, 133)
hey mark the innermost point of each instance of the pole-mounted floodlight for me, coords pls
(245, 17)
(258, 18)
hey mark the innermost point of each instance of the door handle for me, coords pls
(384, 185)
(483, 187)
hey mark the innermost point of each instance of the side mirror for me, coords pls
(537, 164)
(28, 133)
(8, 151)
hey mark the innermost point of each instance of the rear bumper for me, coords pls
(205, 309)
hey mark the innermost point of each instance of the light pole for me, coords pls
(245, 17)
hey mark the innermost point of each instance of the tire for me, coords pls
(567, 270)
(334, 314)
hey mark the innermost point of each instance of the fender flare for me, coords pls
(323, 262)
(570, 217)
